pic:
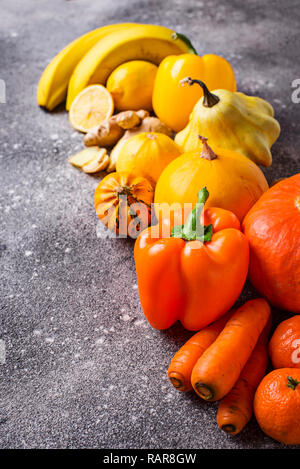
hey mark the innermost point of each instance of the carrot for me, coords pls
(183, 362)
(220, 366)
(235, 409)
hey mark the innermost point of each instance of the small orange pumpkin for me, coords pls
(272, 227)
(123, 203)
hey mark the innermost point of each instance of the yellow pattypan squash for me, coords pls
(231, 120)
(233, 181)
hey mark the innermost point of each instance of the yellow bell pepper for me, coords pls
(233, 121)
(173, 103)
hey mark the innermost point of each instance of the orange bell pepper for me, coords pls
(197, 273)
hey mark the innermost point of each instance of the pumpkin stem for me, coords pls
(124, 190)
(206, 152)
(192, 230)
(131, 192)
(209, 99)
(128, 192)
(292, 383)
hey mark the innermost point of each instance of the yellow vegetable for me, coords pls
(173, 103)
(233, 121)
(146, 155)
(140, 42)
(53, 84)
(131, 85)
(233, 181)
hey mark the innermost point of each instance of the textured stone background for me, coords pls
(83, 368)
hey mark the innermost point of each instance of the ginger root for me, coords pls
(111, 130)
(129, 119)
(105, 135)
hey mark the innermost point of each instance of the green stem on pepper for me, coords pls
(192, 229)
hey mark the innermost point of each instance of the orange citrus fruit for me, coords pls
(284, 346)
(277, 405)
(131, 85)
(91, 106)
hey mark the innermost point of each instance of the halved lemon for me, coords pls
(91, 106)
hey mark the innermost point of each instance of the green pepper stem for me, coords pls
(192, 230)
(209, 99)
(195, 214)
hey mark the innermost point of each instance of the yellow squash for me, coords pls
(233, 121)
(172, 102)
(146, 155)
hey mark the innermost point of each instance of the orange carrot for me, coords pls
(235, 409)
(183, 362)
(220, 366)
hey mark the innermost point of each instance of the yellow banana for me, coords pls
(139, 42)
(53, 84)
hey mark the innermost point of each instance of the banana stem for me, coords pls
(186, 40)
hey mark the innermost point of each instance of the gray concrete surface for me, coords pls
(83, 368)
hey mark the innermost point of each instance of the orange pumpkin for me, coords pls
(233, 181)
(272, 227)
(123, 203)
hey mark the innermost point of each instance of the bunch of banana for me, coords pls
(53, 84)
(92, 57)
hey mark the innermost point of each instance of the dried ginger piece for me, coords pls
(91, 160)
(99, 163)
(83, 157)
